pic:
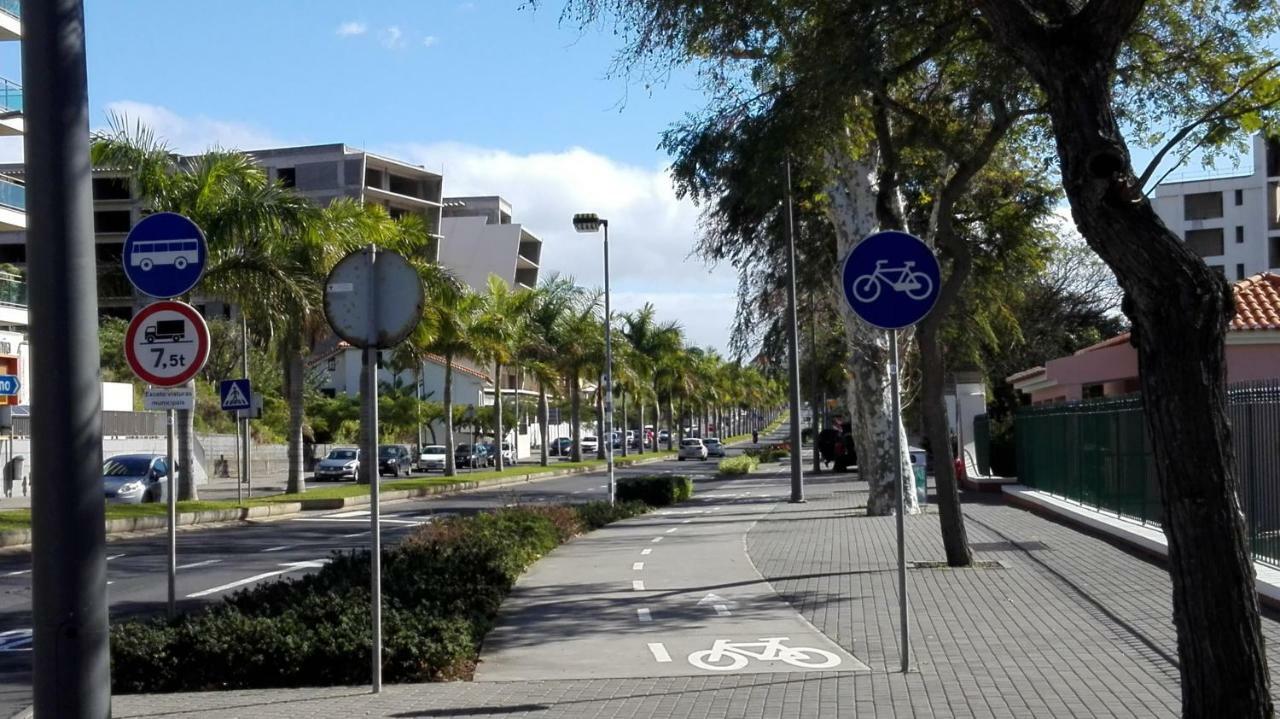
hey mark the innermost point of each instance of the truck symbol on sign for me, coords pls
(166, 330)
(178, 253)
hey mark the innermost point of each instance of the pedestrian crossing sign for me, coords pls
(235, 394)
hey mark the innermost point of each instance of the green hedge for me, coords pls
(442, 587)
(656, 491)
(734, 466)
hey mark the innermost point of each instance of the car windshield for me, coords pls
(691, 443)
(462, 448)
(433, 449)
(713, 440)
(342, 454)
(588, 439)
(126, 466)
(388, 451)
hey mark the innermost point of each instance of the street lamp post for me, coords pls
(590, 222)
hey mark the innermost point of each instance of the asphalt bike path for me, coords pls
(216, 561)
(672, 593)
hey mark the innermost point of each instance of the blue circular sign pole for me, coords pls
(891, 280)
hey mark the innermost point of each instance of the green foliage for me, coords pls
(442, 587)
(742, 464)
(768, 453)
(657, 491)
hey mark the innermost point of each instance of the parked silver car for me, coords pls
(714, 447)
(340, 463)
(692, 448)
(135, 478)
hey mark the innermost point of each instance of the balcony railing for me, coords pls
(11, 7)
(10, 95)
(13, 290)
(13, 194)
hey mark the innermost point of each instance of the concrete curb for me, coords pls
(22, 537)
(1147, 539)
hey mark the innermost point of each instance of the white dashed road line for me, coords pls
(637, 585)
(655, 540)
(642, 614)
(637, 566)
(281, 548)
(722, 610)
(659, 651)
(114, 556)
(669, 531)
(644, 552)
(193, 565)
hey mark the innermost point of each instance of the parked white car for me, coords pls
(714, 448)
(590, 445)
(692, 448)
(431, 458)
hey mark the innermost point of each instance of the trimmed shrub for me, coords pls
(595, 515)
(656, 491)
(734, 466)
(442, 587)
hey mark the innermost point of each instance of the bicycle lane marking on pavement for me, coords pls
(579, 604)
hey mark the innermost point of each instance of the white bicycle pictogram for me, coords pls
(916, 285)
(726, 656)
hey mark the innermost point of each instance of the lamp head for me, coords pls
(588, 222)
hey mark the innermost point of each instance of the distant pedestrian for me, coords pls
(755, 436)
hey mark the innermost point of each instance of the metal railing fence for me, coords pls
(1097, 453)
(114, 424)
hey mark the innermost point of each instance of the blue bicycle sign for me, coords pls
(891, 279)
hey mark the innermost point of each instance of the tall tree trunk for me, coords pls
(575, 409)
(600, 438)
(293, 385)
(640, 446)
(951, 516)
(497, 415)
(1179, 309)
(852, 212)
(625, 423)
(186, 434)
(543, 421)
(450, 467)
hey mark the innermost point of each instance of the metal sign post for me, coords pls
(891, 280)
(373, 299)
(172, 500)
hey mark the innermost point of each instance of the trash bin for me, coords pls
(918, 460)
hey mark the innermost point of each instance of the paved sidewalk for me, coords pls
(1065, 625)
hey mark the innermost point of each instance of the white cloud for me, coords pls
(430, 40)
(392, 38)
(192, 134)
(651, 232)
(352, 27)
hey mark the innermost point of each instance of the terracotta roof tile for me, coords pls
(1257, 303)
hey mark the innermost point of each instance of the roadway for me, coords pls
(213, 562)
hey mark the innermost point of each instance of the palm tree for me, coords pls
(249, 222)
(579, 341)
(652, 342)
(449, 330)
(554, 299)
(501, 327)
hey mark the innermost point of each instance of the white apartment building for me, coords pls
(481, 239)
(1233, 221)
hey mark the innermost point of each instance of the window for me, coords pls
(105, 221)
(1273, 156)
(1239, 234)
(1092, 391)
(1219, 269)
(13, 254)
(111, 188)
(1240, 271)
(1274, 259)
(288, 176)
(1206, 243)
(1239, 197)
(1202, 206)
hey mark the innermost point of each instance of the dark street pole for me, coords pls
(793, 345)
(813, 381)
(71, 669)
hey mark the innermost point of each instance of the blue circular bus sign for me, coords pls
(891, 279)
(164, 255)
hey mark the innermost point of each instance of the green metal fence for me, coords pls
(1097, 453)
(982, 443)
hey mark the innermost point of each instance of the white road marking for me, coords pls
(642, 614)
(280, 548)
(355, 534)
(637, 566)
(20, 571)
(642, 551)
(722, 610)
(637, 585)
(288, 567)
(193, 565)
(686, 521)
(659, 651)
(669, 531)
(357, 513)
(114, 556)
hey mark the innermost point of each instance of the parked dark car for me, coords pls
(468, 455)
(395, 460)
(562, 446)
